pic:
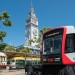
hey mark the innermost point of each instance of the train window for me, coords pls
(69, 43)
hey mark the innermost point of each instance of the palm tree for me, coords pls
(42, 31)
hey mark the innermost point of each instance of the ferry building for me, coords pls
(31, 31)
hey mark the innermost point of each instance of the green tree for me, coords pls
(2, 34)
(23, 49)
(10, 48)
(5, 19)
(2, 46)
(31, 41)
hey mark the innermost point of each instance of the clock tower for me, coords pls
(31, 27)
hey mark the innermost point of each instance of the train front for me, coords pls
(58, 46)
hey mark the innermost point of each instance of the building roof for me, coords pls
(17, 54)
(2, 54)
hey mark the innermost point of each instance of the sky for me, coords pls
(50, 13)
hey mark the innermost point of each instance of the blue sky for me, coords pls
(50, 13)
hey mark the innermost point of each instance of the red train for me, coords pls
(58, 51)
(58, 46)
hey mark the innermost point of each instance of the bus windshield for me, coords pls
(52, 42)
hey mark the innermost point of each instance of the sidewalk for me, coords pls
(12, 72)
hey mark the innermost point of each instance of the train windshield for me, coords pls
(52, 42)
(52, 45)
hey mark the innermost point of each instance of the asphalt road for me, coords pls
(12, 72)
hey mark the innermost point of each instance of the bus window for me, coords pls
(70, 43)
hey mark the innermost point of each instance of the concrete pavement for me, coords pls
(12, 72)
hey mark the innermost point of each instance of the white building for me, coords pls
(31, 27)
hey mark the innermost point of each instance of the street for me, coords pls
(12, 72)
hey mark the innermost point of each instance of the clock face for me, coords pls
(34, 32)
(28, 32)
(34, 21)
